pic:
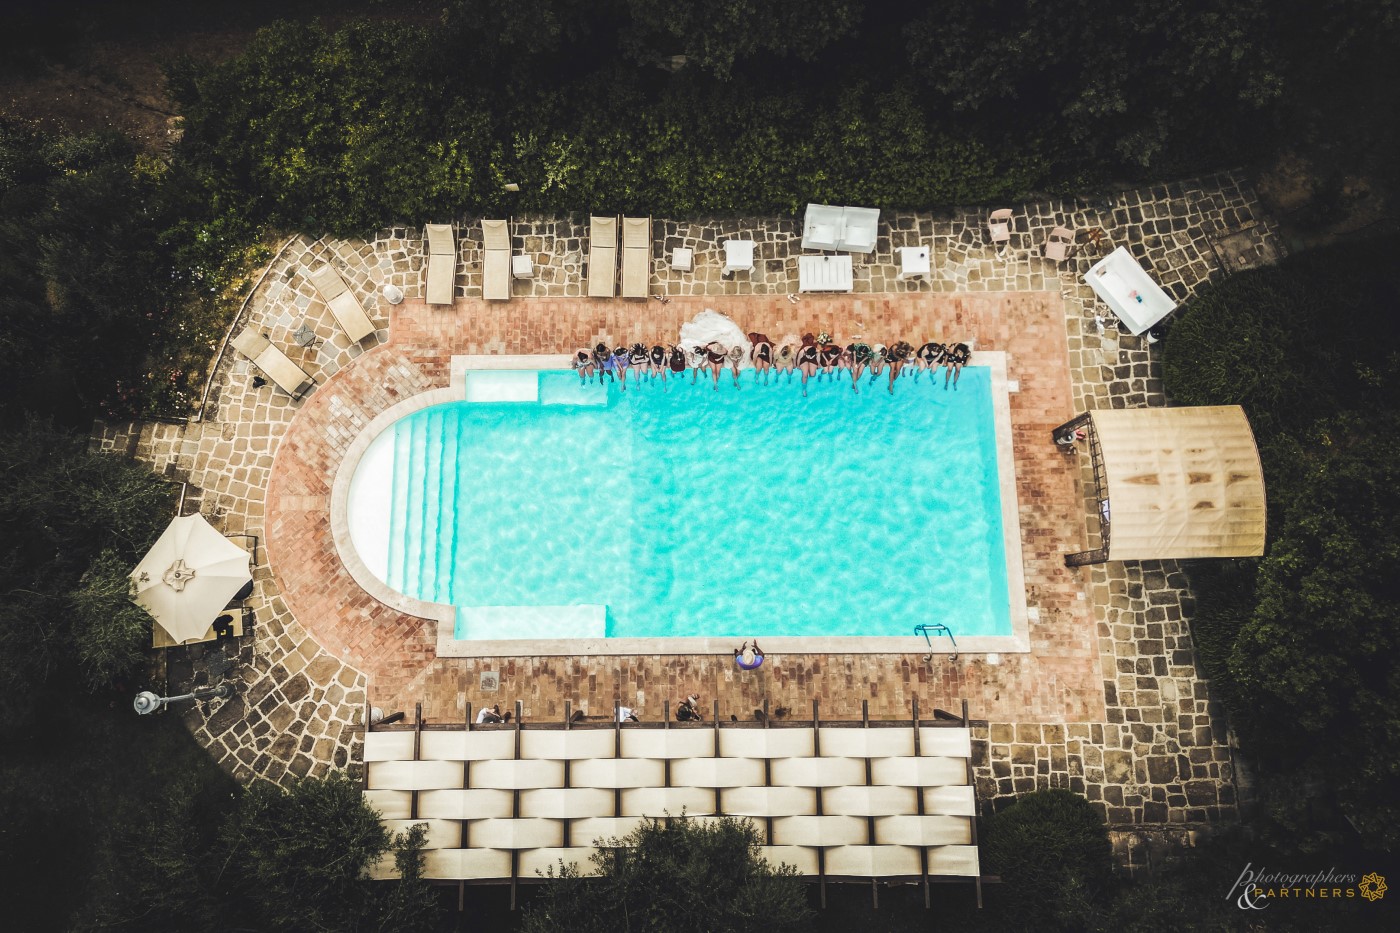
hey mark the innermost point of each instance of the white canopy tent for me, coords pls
(188, 577)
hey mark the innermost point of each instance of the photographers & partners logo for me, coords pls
(1259, 889)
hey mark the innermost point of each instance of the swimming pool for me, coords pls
(547, 510)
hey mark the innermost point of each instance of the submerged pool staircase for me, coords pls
(423, 534)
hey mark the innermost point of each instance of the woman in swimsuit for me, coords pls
(828, 355)
(736, 356)
(640, 360)
(621, 360)
(786, 360)
(930, 356)
(583, 362)
(695, 358)
(677, 361)
(715, 355)
(877, 361)
(658, 364)
(602, 361)
(761, 355)
(899, 355)
(957, 359)
(807, 358)
(860, 358)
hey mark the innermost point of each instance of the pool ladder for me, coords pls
(930, 629)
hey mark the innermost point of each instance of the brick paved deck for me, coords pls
(1059, 680)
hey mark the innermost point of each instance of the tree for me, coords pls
(299, 858)
(718, 36)
(69, 522)
(676, 875)
(1051, 850)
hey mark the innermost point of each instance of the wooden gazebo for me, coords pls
(1171, 483)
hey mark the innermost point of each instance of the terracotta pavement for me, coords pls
(1060, 680)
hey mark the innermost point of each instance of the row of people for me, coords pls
(813, 357)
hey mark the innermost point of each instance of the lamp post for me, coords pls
(147, 702)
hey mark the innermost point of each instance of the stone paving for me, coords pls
(1138, 735)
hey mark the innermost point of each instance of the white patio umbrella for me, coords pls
(188, 577)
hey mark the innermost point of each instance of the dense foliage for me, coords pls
(72, 525)
(678, 876)
(1051, 849)
(684, 107)
(1302, 643)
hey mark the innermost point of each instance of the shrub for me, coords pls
(1051, 850)
(678, 876)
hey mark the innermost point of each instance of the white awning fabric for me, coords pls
(1182, 482)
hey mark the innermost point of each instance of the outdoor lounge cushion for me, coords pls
(636, 256)
(288, 376)
(442, 263)
(342, 302)
(602, 257)
(495, 262)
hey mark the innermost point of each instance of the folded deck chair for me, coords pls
(636, 256)
(602, 257)
(495, 262)
(342, 302)
(442, 263)
(288, 376)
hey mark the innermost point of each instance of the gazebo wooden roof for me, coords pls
(1173, 483)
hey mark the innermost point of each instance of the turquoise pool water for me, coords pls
(694, 512)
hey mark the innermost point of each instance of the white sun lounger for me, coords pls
(636, 256)
(495, 261)
(342, 302)
(442, 263)
(602, 257)
(288, 376)
(825, 274)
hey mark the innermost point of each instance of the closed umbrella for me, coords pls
(188, 577)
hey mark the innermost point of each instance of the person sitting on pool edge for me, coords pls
(807, 358)
(658, 364)
(956, 359)
(640, 360)
(621, 360)
(860, 358)
(602, 361)
(930, 356)
(583, 362)
(898, 355)
(761, 355)
(715, 355)
(736, 356)
(786, 361)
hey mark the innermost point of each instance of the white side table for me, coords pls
(913, 262)
(683, 259)
(522, 267)
(393, 294)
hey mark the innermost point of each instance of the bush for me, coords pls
(1300, 643)
(678, 876)
(1051, 850)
